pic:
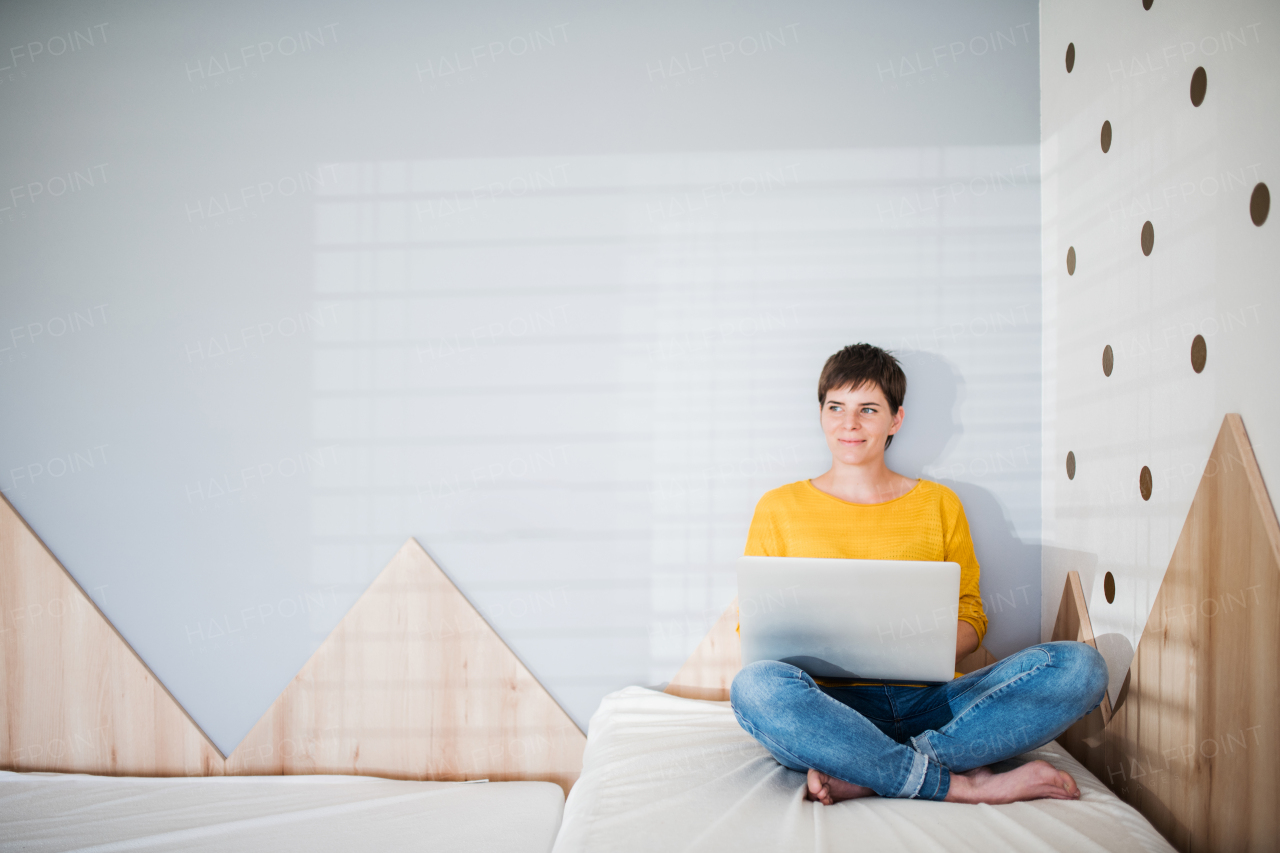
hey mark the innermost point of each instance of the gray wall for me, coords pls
(547, 289)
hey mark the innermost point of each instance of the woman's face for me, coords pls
(856, 422)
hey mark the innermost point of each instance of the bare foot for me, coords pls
(829, 790)
(1034, 780)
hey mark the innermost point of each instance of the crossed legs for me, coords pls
(929, 742)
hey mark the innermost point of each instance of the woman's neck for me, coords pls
(869, 483)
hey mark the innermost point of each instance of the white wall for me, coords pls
(558, 312)
(1190, 171)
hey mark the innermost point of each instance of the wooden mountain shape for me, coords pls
(1205, 678)
(414, 684)
(1073, 624)
(77, 698)
(709, 671)
(1192, 743)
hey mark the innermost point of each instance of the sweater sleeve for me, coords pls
(958, 548)
(762, 536)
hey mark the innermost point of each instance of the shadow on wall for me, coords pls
(1118, 652)
(1116, 649)
(1010, 567)
(1057, 563)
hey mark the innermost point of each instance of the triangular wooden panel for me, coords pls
(1194, 746)
(77, 699)
(1073, 625)
(414, 684)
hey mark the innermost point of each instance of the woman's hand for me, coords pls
(966, 640)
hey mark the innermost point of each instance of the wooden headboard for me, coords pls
(1073, 624)
(412, 684)
(1194, 739)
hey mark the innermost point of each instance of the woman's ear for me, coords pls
(897, 420)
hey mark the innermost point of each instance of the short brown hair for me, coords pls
(858, 364)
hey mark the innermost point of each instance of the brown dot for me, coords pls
(1109, 587)
(1198, 353)
(1199, 82)
(1148, 237)
(1259, 204)
(1071, 465)
(1144, 483)
(1146, 4)
(1071, 260)
(1106, 137)
(1071, 57)
(1108, 360)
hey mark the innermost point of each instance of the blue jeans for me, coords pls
(904, 741)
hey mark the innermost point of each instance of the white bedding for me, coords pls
(54, 811)
(667, 774)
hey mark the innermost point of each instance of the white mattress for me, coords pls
(667, 774)
(55, 811)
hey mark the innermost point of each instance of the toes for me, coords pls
(816, 788)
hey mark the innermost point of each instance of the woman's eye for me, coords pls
(868, 410)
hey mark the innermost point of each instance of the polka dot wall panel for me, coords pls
(1158, 144)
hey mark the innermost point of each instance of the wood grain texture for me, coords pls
(709, 671)
(1194, 746)
(1084, 738)
(1073, 624)
(77, 699)
(414, 684)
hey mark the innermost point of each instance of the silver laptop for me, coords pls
(880, 620)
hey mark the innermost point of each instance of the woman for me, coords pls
(925, 741)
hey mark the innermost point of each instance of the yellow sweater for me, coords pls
(927, 523)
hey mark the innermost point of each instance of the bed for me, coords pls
(668, 773)
(72, 811)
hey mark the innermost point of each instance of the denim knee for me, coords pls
(756, 685)
(1087, 668)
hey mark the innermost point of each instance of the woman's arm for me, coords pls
(958, 548)
(966, 640)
